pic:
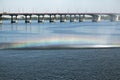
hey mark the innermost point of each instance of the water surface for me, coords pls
(75, 35)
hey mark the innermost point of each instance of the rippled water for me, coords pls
(81, 64)
(48, 35)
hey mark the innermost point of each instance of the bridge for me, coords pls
(62, 17)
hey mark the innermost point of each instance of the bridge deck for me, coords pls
(59, 13)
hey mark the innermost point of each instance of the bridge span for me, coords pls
(62, 17)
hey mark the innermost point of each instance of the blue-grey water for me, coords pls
(64, 64)
(79, 64)
(75, 35)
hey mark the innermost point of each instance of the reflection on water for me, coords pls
(84, 34)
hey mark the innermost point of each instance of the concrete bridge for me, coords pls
(62, 17)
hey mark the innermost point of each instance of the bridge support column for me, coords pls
(114, 18)
(0, 19)
(96, 18)
(28, 20)
(52, 18)
(40, 19)
(65, 18)
(25, 18)
(99, 18)
(71, 18)
(81, 18)
(62, 19)
(75, 18)
(13, 19)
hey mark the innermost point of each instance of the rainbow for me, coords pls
(55, 41)
(78, 41)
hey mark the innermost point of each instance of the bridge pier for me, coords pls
(73, 18)
(114, 18)
(40, 18)
(52, 18)
(96, 18)
(63, 19)
(0, 19)
(117, 18)
(70, 18)
(13, 19)
(81, 18)
(99, 18)
(28, 20)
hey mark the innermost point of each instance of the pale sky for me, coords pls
(60, 6)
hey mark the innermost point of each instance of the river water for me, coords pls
(83, 63)
(53, 35)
